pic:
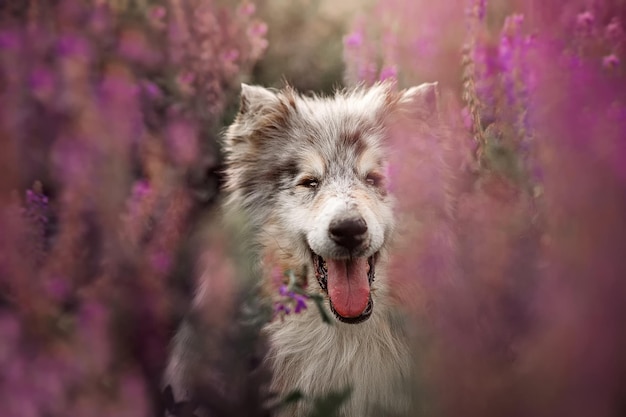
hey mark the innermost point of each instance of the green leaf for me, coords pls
(293, 397)
(319, 303)
(329, 404)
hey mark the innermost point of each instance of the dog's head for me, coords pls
(310, 174)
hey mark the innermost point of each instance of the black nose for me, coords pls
(349, 233)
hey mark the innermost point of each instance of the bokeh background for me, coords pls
(510, 263)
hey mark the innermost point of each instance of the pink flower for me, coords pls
(230, 55)
(585, 20)
(354, 40)
(247, 9)
(161, 261)
(390, 72)
(157, 13)
(10, 40)
(610, 61)
(185, 82)
(141, 189)
(614, 31)
(258, 29)
(151, 90)
(183, 141)
(42, 83)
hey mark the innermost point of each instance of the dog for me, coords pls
(309, 175)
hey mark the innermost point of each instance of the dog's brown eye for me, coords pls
(309, 182)
(374, 179)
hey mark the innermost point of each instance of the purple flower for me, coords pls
(42, 82)
(161, 261)
(10, 40)
(74, 45)
(57, 288)
(300, 303)
(151, 90)
(481, 7)
(141, 189)
(290, 298)
(281, 308)
(283, 290)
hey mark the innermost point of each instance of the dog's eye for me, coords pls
(374, 179)
(309, 182)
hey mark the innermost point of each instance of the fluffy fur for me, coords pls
(309, 175)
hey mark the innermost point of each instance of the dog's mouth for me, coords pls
(347, 282)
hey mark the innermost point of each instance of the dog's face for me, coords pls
(311, 174)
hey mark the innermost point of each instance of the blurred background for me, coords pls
(510, 264)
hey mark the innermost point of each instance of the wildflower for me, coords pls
(161, 261)
(480, 9)
(293, 299)
(283, 290)
(182, 138)
(185, 81)
(37, 213)
(610, 61)
(259, 29)
(300, 303)
(9, 40)
(281, 308)
(151, 90)
(613, 31)
(42, 83)
(354, 40)
(134, 46)
(389, 73)
(476, 9)
(74, 46)
(36, 201)
(585, 20)
(505, 52)
(230, 55)
(157, 13)
(141, 189)
(247, 9)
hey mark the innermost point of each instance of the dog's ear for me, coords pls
(422, 99)
(254, 99)
(262, 114)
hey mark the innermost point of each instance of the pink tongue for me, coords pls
(348, 286)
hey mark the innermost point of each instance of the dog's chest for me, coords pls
(370, 358)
